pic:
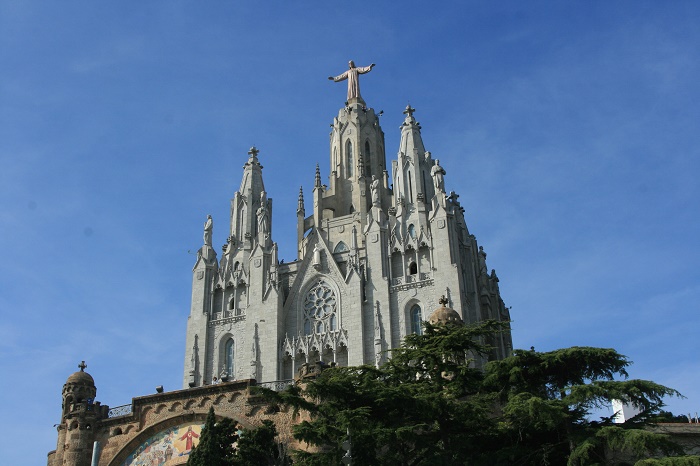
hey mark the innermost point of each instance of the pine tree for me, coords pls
(215, 446)
(428, 405)
(547, 399)
(259, 446)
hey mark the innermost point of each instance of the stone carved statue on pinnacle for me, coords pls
(438, 173)
(353, 77)
(208, 227)
(263, 215)
(482, 261)
(375, 191)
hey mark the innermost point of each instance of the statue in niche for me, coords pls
(263, 215)
(208, 227)
(374, 186)
(353, 77)
(438, 173)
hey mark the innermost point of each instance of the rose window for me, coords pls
(319, 309)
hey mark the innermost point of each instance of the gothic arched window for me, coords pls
(228, 354)
(412, 268)
(340, 247)
(320, 309)
(416, 320)
(348, 157)
(368, 160)
(412, 231)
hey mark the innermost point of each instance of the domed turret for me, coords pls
(81, 378)
(79, 387)
(445, 315)
(79, 416)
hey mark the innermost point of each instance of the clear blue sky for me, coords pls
(569, 129)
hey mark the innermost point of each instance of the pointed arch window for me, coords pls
(349, 157)
(340, 247)
(241, 222)
(412, 268)
(416, 320)
(320, 314)
(228, 355)
(412, 231)
(368, 160)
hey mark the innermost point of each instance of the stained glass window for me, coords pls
(320, 309)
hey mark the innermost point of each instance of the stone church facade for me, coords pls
(375, 254)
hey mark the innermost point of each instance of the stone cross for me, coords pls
(82, 366)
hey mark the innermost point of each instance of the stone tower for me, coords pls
(80, 414)
(374, 256)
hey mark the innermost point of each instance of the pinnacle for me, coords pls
(317, 180)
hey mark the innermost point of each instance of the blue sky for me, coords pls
(569, 129)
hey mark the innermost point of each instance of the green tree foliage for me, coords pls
(668, 416)
(221, 445)
(547, 399)
(260, 447)
(423, 407)
(429, 405)
(215, 446)
(675, 461)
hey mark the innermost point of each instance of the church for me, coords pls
(378, 249)
(375, 253)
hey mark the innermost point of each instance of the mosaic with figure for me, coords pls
(165, 445)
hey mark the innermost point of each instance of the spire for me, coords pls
(317, 180)
(300, 203)
(250, 208)
(413, 182)
(410, 133)
(252, 173)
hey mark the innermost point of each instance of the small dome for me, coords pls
(444, 315)
(81, 377)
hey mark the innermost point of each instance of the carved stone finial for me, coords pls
(317, 180)
(253, 151)
(443, 300)
(409, 111)
(82, 366)
(300, 203)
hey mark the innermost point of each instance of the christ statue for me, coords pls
(352, 75)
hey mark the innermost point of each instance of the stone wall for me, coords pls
(120, 436)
